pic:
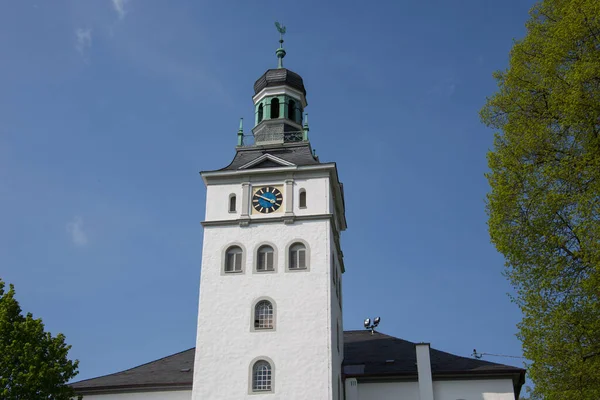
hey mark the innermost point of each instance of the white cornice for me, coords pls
(279, 90)
(210, 175)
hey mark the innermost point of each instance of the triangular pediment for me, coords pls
(266, 161)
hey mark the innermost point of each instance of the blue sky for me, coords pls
(109, 108)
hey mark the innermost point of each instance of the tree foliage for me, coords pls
(33, 364)
(544, 203)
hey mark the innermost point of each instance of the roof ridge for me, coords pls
(364, 331)
(137, 366)
(475, 359)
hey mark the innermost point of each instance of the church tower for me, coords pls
(270, 311)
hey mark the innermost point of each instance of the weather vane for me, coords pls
(280, 51)
(281, 30)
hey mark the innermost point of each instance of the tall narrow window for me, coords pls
(264, 259)
(302, 198)
(275, 108)
(260, 112)
(297, 256)
(261, 376)
(292, 110)
(263, 315)
(232, 203)
(233, 259)
(338, 335)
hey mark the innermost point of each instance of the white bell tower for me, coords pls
(270, 318)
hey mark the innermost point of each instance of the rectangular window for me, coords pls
(233, 262)
(293, 259)
(301, 259)
(238, 261)
(298, 259)
(230, 262)
(265, 261)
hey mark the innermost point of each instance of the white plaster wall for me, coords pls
(163, 395)
(317, 195)
(388, 391)
(336, 309)
(218, 207)
(473, 389)
(336, 316)
(485, 389)
(300, 346)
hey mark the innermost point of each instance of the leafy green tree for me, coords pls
(33, 364)
(544, 203)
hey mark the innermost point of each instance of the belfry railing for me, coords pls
(266, 138)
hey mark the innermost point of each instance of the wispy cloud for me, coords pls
(75, 230)
(83, 40)
(119, 6)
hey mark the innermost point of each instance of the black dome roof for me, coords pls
(278, 77)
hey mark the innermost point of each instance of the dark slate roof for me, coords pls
(278, 77)
(174, 371)
(365, 355)
(299, 154)
(380, 354)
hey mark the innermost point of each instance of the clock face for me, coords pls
(267, 199)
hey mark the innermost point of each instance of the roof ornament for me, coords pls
(305, 128)
(240, 134)
(280, 51)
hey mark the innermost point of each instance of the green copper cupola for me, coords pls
(279, 102)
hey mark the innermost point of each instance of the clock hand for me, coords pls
(266, 198)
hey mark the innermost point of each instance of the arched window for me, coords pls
(233, 259)
(263, 315)
(275, 108)
(297, 256)
(261, 376)
(302, 199)
(292, 110)
(260, 112)
(265, 258)
(232, 203)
